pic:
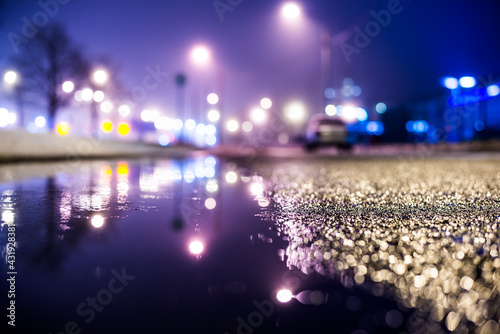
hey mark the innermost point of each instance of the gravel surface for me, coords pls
(424, 232)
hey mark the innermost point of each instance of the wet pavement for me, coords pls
(202, 245)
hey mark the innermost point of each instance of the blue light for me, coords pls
(361, 114)
(381, 107)
(493, 90)
(467, 82)
(409, 126)
(479, 125)
(450, 82)
(329, 93)
(420, 126)
(375, 128)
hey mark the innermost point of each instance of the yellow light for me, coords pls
(106, 170)
(63, 128)
(123, 129)
(122, 168)
(107, 126)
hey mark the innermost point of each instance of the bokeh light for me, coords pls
(210, 203)
(295, 112)
(291, 11)
(68, 86)
(212, 98)
(213, 115)
(196, 247)
(123, 129)
(381, 108)
(97, 221)
(450, 82)
(467, 82)
(124, 110)
(98, 96)
(258, 115)
(63, 128)
(100, 77)
(266, 103)
(330, 110)
(232, 125)
(87, 94)
(10, 77)
(190, 124)
(40, 121)
(284, 295)
(200, 55)
(247, 126)
(231, 177)
(106, 106)
(107, 126)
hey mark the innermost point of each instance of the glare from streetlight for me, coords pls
(106, 106)
(290, 11)
(124, 110)
(10, 77)
(68, 86)
(295, 112)
(98, 96)
(200, 55)
(467, 82)
(330, 110)
(123, 129)
(258, 115)
(63, 128)
(87, 94)
(100, 77)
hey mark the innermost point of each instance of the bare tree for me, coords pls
(49, 59)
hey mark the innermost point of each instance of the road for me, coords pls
(204, 244)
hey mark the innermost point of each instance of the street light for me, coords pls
(290, 12)
(200, 55)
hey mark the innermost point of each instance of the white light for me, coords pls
(211, 140)
(10, 77)
(349, 113)
(210, 203)
(178, 124)
(210, 130)
(161, 123)
(247, 126)
(450, 82)
(295, 112)
(196, 247)
(100, 76)
(106, 106)
(213, 115)
(231, 177)
(8, 217)
(291, 11)
(266, 103)
(284, 295)
(79, 96)
(97, 221)
(40, 121)
(258, 115)
(4, 115)
(155, 114)
(201, 129)
(164, 140)
(232, 125)
(467, 82)
(493, 90)
(124, 110)
(212, 98)
(98, 96)
(212, 186)
(11, 118)
(87, 94)
(190, 124)
(146, 115)
(257, 189)
(68, 86)
(381, 108)
(200, 55)
(330, 110)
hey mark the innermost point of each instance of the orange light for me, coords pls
(123, 129)
(63, 128)
(106, 170)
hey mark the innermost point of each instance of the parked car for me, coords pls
(323, 130)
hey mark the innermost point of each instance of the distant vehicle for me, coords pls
(323, 130)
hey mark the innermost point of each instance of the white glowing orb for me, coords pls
(68, 86)
(196, 247)
(284, 295)
(97, 221)
(213, 115)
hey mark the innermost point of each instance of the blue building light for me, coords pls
(475, 96)
(375, 128)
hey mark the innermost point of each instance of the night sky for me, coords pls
(259, 55)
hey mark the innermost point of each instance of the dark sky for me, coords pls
(261, 56)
